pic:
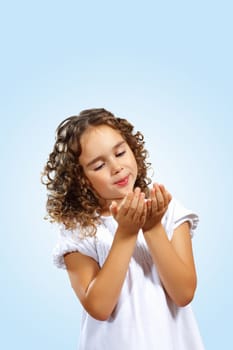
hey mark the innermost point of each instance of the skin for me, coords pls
(98, 289)
(108, 163)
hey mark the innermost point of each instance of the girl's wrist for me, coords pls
(157, 227)
(127, 231)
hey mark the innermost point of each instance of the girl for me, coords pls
(127, 248)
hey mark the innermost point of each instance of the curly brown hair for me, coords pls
(71, 200)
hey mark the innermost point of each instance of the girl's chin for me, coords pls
(117, 200)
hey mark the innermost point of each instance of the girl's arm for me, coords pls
(98, 289)
(173, 259)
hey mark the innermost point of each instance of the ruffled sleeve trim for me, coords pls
(69, 242)
(177, 214)
(191, 218)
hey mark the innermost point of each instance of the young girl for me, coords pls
(127, 248)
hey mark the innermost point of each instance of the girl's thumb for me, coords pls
(113, 208)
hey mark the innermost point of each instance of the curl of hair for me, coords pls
(71, 199)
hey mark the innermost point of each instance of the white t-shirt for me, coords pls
(145, 318)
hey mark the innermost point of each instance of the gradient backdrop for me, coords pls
(165, 66)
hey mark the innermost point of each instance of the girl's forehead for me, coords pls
(96, 139)
(94, 133)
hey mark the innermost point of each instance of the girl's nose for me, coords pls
(116, 167)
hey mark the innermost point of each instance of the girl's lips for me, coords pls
(123, 181)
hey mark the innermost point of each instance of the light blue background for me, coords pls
(165, 66)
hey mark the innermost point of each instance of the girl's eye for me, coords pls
(120, 154)
(99, 167)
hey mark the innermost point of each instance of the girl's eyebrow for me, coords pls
(100, 157)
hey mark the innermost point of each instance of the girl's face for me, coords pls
(108, 162)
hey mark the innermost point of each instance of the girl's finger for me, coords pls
(143, 215)
(164, 194)
(125, 204)
(154, 204)
(113, 208)
(140, 207)
(169, 197)
(149, 207)
(134, 202)
(159, 197)
(152, 192)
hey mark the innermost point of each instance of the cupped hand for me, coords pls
(131, 212)
(156, 206)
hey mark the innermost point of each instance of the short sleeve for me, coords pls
(69, 242)
(178, 214)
